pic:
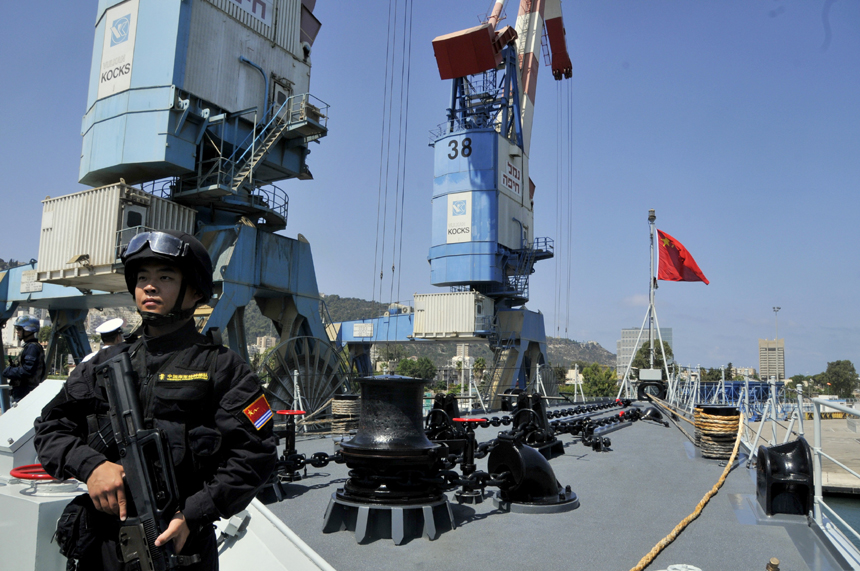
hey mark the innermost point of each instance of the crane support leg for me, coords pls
(518, 358)
(71, 324)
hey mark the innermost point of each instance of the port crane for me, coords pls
(483, 237)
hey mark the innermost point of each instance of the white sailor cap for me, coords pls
(110, 326)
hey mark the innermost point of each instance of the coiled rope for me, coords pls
(645, 561)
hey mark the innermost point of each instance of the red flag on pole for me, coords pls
(676, 263)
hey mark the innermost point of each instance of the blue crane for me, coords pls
(483, 236)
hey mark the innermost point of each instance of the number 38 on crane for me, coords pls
(483, 230)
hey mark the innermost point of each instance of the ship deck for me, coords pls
(631, 496)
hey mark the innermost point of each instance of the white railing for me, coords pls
(820, 506)
(774, 411)
(785, 410)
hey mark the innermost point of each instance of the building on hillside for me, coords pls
(626, 347)
(771, 358)
(743, 372)
(573, 377)
(468, 362)
(688, 374)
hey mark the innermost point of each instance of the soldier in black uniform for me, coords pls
(30, 369)
(203, 396)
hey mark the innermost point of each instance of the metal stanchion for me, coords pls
(5, 403)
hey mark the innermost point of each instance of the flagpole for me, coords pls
(652, 217)
(650, 315)
(652, 309)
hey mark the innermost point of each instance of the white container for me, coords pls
(83, 233)
(456, 315)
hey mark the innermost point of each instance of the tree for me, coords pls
(642, 360)
(391, 352)
(62, 350)
(798, 380)
(478, 368)
(711, 375)
(560, 372)
(841, 377)
(422, 368)
(425, 369)
(257, 359)
(599, 381)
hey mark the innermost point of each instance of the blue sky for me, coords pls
(737, 121)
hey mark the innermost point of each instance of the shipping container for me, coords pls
(455, 315)
(83, 233)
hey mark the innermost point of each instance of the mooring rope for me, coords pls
(645, 561)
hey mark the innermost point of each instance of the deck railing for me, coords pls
(820, 506)
(774, 415)
(791, 405)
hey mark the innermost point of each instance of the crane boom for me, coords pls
(532, 16)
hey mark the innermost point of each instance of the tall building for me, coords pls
(626, 347)
(266, 342)
(771, 359)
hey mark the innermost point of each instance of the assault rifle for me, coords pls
(150, 480)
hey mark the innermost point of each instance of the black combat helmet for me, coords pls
(179, 249)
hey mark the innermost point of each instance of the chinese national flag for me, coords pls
(676, 263)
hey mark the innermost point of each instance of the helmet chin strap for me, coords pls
(175, 315)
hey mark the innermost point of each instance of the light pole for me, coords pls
(776, 340)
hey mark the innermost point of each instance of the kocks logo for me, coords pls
(459, 225)
(118, 71)
(119, 30)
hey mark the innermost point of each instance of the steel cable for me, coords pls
(382, 182)
(400, 187)
(569, 203)
(558, 198)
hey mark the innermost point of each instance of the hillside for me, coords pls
(352, 308)
(561, 351)
(566, 351)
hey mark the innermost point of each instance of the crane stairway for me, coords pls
(297, 117)
(504, 360)
(249, 166)
(269, 139)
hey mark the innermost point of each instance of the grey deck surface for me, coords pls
(631, 497)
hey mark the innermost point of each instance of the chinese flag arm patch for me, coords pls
(258, 412)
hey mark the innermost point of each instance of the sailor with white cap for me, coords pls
(111, 333)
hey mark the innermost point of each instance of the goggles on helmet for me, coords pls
(159, 243)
